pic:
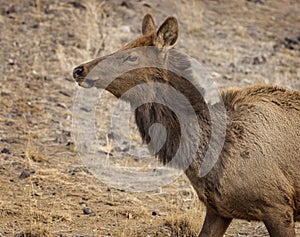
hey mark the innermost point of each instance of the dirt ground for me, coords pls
(46, 190)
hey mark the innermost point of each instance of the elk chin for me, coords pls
(86, 83)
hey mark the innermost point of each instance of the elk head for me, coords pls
(140, 61)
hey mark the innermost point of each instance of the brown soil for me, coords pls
(46, 189)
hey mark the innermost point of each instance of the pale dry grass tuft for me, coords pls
(87, 27)
(188, 223)
(183, 226)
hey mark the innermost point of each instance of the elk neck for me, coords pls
(151, 113)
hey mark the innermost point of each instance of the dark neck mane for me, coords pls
(153, 113)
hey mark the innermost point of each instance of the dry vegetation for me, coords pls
(46, 189)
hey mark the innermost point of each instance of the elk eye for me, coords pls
(130, 58)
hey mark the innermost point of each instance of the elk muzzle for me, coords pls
(77, 72)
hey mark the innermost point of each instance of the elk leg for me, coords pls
(280, 223)
(214, 225)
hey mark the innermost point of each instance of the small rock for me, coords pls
(5, 93)
(127, 4)
(65, 93)
(155, 213)
(25, 174)
(291, 41)
(37, 194)
(12, 9)
(147, 5)
(9, 123)
(77, 4)
(232, 67)
(11, 62)
(259, 60)
(62, 105)
(10, 140)
(83, 203)
(256, 1)
(88, 211)
(227, 77)
(71, 146)
(101, 152)
(129, 215)
(35, 26)
(81, 235)
(6, 151)
(85, 109)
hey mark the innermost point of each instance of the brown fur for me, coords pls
(257, 176)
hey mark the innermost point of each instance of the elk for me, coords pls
(257, 174)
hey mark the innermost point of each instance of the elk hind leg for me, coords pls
(280, 222)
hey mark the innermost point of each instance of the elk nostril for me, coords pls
(77, 71)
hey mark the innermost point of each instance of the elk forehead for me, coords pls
(141, 41)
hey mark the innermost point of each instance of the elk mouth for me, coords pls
(84, 82)
(79, 76)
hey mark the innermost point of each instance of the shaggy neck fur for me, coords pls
(149, 114)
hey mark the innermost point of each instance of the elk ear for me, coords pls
(148, 24)
(167, 33)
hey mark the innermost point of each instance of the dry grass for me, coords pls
(188, 223)
(183, 225)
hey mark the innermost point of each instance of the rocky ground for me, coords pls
(46, 188)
